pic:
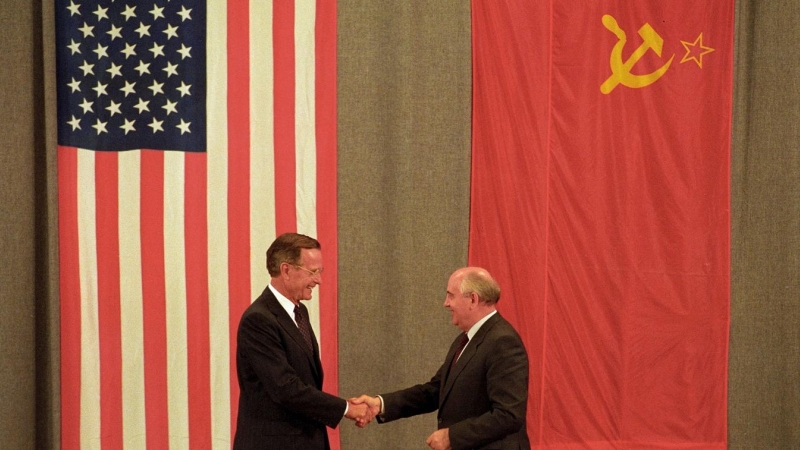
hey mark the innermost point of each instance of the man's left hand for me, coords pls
(439, 440)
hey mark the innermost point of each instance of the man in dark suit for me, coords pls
(281, 403)
(481, 390)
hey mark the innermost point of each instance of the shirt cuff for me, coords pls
(381, 399)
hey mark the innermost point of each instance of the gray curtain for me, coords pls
(404, 134)
(29, 357)
(763, 381)
(404, 157)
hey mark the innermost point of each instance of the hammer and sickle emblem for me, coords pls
(621, 71)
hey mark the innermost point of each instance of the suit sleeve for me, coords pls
(507, 389)
(419, 399)
(260, 343)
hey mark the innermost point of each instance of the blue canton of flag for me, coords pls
(131, 74)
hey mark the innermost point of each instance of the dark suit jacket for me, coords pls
(484, 400)
(281, 403)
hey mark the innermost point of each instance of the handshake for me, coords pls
(363, 409)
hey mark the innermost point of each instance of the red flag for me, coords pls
(227, 113)
(600, 199)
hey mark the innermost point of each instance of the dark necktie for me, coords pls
(304, 326)
(461, 345)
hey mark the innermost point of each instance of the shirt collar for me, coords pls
(474, 330)
(285, 302)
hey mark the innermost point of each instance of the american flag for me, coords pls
(191, 133)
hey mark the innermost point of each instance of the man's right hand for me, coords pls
(374, 405)
(361, 413)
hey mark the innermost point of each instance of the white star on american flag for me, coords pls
(129, 12)
(86, 30)
(101, 13)
(157, 12)
(75, 123)
(156, 87)
(113, 108)
(75, 85)
(101, 51)
(100, 126)
(171, 69)
(143, 68)
(128, 88)
(128, 126)
(171, 31)
(143, 30)
(114, 70)
(129, 50)
(115, 32)
(169, 107)
(86, 105)
(184, 89)
(157, 50)
(73, 8)
(184, 51)
(87, 68)
(100, 88)
(184, 127)
(184, 13)
(142, 105)
(156, 125)
(74, 46)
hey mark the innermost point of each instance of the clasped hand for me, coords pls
(439, 440)
(363, 409)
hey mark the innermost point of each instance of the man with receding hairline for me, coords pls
(481, 389)
(281, 403)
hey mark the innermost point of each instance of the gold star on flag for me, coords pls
(695, 50)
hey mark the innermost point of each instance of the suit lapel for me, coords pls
(466, 356)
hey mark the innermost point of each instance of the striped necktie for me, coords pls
(461, 345)
(304, 326)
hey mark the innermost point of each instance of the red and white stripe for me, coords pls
(161, 251)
